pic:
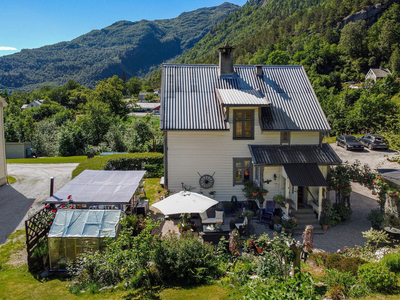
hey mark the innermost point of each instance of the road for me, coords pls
(26, 196)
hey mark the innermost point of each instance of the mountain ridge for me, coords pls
(124, 46)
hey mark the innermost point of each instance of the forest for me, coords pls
(314, 34)
(74, 120)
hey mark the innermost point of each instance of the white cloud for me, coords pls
(2, 48)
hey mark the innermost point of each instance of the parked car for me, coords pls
(349, 142)
(374, 141)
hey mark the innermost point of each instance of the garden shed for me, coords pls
(80, 230)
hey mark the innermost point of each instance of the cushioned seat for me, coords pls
(219, 218)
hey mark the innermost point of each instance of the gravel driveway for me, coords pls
(26, 196)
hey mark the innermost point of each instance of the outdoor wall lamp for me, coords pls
(274, 176)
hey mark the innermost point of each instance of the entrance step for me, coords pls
(305, 216)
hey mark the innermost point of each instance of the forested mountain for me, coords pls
(130, 47)
(335, 40)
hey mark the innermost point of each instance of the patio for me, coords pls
(347, 234)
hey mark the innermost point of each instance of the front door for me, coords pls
(300, 195)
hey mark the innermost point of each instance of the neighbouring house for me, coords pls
(18, 150)
(76, 231)
(35, 103)
(225, 124)
(3, 162)
(376, 74)
(95, 189)
(146, 107)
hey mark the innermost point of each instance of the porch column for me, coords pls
(319, 201)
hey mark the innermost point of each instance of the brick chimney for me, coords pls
(226, 60)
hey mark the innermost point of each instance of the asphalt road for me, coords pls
(26, 196)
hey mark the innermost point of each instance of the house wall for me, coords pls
(3, 163)
(16, 150)
(190, 153)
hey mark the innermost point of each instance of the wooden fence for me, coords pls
(37, 227)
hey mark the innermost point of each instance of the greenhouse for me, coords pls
(80, 230)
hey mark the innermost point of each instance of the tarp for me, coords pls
(85, 223)
(99, 187)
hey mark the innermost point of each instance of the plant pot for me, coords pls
(325, 227)
(259, 250)
(255, 194)
(264, 194)
(277, 227)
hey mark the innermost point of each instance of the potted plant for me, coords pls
(212, 194)
(376, 218)
(289, 224)
(326, 214)
(264, 192)
(277, 224)
(255, 190)
(279, 199)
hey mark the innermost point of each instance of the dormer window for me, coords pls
(243, 124)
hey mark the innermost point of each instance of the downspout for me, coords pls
(162, 128)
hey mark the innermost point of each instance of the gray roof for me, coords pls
(392, 175)
(381, 73)
(149, 105)
(100, 187)
(85, 223)
(305, 175)
(189, 100)
(263, 155)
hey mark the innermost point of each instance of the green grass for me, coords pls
(332, 139)
(11, 179)
(47, 160)
(153, 189)
(16, 282)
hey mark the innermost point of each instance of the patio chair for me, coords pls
(219, 218)
(268, 213)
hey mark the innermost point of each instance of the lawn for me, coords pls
(153, 188)
(48, 160)
(11, 179)
(16, 282)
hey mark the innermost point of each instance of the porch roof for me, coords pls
(305, 175)
(264, 155)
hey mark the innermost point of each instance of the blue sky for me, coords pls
(27, 24)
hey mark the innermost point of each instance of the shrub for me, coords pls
(186, 259)
(320, 259)
(132, 161)
(377, 277)
(392, 261)
(345, 264)
(339, 281)
(290, 289)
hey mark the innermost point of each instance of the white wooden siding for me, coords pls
(191, 153)
(274, 186)
(304, 137)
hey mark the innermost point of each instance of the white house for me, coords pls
(375, 74)
(34, 103)
(3, 163)
(224, 124)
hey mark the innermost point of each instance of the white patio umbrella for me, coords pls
(184, 202)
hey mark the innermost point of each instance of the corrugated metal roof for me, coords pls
(381, 73)
(294, 154)
(232, 97)
(100, 187)
(189, 99)
(305, 175)
(85, 223)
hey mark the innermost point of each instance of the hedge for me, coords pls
(151, 162)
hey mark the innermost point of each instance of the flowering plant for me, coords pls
(308, 236)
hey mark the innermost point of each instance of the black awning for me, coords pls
(305, 175)
(267, 155)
